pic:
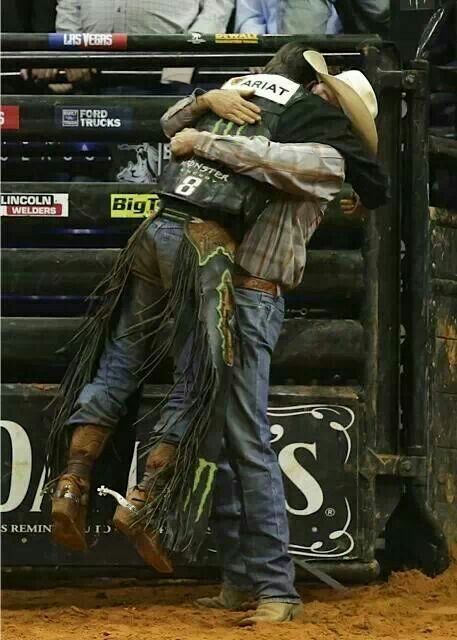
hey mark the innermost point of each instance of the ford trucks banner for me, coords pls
(316, 443)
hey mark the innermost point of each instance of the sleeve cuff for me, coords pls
(202, 147)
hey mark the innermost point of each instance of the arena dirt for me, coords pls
(410, 606)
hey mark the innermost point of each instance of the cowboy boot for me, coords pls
(272, 612)
(228, 598)
(71, 496)
(159, 461)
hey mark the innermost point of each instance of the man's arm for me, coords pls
(183, 114)
(230, 105)
(250, 17)
(214, 16)
(69, 16)
(305, 170)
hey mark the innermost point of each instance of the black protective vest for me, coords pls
(212, 185)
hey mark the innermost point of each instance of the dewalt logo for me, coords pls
(236, 38)
(133, 205)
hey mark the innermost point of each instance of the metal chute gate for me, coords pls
(335, 394)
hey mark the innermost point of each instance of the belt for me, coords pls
(179, 206)
(182, 211)
(257, 284)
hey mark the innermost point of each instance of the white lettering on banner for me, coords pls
(303, 480)
(39, 495)
(21, 472)
(267, 85)
(34, 204)
(27, 199)
(87, 39)
(133, 473)
(97, 118)
(332, 541)
(337, 543)
(89, 119)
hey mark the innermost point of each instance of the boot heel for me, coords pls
(122, 520)
(68, 524)
(146, 543)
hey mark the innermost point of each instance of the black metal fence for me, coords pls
(335, 403)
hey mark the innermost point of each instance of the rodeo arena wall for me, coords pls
(363, 396)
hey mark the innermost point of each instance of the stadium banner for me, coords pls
(9, 117)
(105, 41)
(316, 440)
(133, 205)
(54, 205)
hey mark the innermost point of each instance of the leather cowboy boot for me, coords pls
(228, 598)
(273, 612)
(146, 542)
(71, 496)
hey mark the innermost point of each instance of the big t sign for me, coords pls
(314, 436)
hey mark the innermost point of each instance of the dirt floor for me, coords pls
(409, 606)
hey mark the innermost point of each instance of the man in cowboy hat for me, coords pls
(282, 231)
(351, 92)
(276, 261)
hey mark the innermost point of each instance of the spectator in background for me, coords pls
(30, 16)
(256, 16)
(140, 17)
(308, 16)
(138, 163)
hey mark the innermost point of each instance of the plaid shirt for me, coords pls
(307, 177)
(143, 16)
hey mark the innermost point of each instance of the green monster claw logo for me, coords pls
(225, 311)
(212, 468)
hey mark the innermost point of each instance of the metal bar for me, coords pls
(90, 207)
(443, 147)
(331, 347)
(128, 118)
(380, 314)
(19, 576)
(185, 42)
(418, 291)
(202, 74)
(382, 302)
(143, 61)
(320, 575)
(75, 272)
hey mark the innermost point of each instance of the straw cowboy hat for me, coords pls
(355, 96)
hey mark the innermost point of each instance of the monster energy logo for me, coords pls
(225, 309)
(206, 486)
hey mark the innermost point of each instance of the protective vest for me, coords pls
(211, 184)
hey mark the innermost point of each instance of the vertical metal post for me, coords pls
(381, 317)
(417, 299)
(382, 270)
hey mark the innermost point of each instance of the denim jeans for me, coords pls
(250, 517)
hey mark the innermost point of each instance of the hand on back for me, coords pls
(231, 104)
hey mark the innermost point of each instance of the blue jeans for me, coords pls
(249, 504)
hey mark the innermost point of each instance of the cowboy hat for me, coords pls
(354, 94)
